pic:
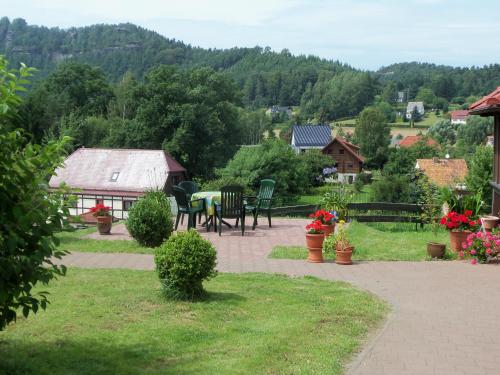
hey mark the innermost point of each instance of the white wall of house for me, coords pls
(347, 177)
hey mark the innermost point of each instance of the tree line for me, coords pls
(324, 89)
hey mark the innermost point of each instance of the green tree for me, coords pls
(373, 135)
(481, 172)
(427, 96)
(30, 214)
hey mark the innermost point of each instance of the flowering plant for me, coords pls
(480, 246)
(326, 218)
(315, 227)
(455, 221)
(100, 210)
(341, 240)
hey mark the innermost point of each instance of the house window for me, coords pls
(114, 176)
(127, 204)
(349, 165)
(341, 151)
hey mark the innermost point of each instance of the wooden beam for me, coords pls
(496, 166)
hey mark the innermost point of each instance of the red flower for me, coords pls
(468, 213)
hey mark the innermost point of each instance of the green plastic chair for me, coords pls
(189, 207)
(263, 201)
(231, 206)
(190, 187)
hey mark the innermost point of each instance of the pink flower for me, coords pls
(461, 254)
(473, 261)
(473, 252)
(488, 251)
(464, 246)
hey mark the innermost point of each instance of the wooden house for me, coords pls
(490, 106)
(348, 161)
(115, 177)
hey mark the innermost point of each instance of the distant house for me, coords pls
(115, 177)
(348, 160)
(401, 97)
(276, 110)
(459, 116)
(411, 140)
(410, 108)
(444, 172)
(306, 137)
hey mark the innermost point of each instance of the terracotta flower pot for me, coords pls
(344, 256)
(315, 247)
(490, 222)
(328, 229)
(457, 238)
(104, 224)
(436, 250)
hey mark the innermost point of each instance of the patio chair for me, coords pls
(186, 206)
(262, 202)
(231, 206)
(191, 188)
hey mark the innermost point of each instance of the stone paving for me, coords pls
(444, 314)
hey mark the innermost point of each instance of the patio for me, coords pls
(443, 317)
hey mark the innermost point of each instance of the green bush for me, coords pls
(392, 188)
(150, 219)
(29, 214)
(183, 262)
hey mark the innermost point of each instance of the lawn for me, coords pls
(73, 241)
(118, 322)
(378, 242)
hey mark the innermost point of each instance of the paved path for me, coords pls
(444, 318)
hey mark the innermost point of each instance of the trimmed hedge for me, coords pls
(183, 262)
(150, 219)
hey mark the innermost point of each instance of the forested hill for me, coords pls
(266, 77)
(324, 89)
(446, 81)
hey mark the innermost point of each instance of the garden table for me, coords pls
(211, 197)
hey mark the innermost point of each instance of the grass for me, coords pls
(118, 322)
(73, 241)
(379, 242)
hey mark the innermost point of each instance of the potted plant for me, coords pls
(314, 240)
(459, 226)
(481, 246)
(343, 248)
(104, 218)
(327, 219)
(489, 222)
(337, 200)
(430, 214)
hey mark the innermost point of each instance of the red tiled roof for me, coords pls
(352, 149)
(411, 140)
(444, 172)
(459, 114)
(488, 103)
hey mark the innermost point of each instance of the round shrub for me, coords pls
(150, 219)
(183, 262)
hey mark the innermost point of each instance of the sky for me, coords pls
(366, 34)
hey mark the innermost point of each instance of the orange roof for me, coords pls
(411, 140)
(459, 114)
(487, 104)
(444, 172)
(352, 149)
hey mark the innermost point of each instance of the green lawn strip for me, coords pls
(118, 322)
(378, 242)
(73, 241)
